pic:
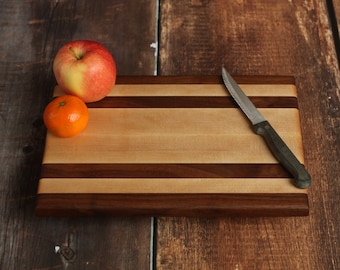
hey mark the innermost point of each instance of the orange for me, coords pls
(66, 116)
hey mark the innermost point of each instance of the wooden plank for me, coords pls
(164, 170)
(335, 6)
(334, 19)
(189, 205)
(189, 90)
(260, 38)
(31, 33)
(100, 185)
(130, 134)
(163, 151)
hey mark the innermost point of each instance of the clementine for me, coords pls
(66, 116)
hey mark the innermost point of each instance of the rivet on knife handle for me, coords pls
(262, 127)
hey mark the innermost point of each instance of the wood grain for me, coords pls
(261, 37)
(161, 170)
(31, 33)
(189, 205)
(335, 11)
(191, 102)
(160, 153)
(173, 136)
(170, 185)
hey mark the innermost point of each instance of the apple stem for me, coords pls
(77, 56)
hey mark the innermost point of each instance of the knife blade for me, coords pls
(262, 127)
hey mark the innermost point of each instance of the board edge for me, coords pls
(186, 205)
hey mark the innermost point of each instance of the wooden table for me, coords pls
(169, 37)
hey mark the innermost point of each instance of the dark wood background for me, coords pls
(192, 37)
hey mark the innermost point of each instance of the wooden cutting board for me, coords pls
(175, 146)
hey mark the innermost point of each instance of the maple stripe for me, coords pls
(163, 171)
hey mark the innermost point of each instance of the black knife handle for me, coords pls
(283, 154)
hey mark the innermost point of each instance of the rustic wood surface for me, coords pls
(264, 37)
(195, 37)
(31, 33)
(336, 8)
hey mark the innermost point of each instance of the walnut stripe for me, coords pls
(217, 79)
(163, 171)
(191, 102)
(173, 204)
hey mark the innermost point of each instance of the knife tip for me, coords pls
(224, 72)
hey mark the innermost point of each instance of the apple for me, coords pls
(85, 69)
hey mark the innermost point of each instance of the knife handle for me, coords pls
(283, 154)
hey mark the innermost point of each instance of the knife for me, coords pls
(262, 127)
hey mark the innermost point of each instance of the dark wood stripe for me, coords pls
(191, 102)
(172, 204)
(163, 171)
(214, 79)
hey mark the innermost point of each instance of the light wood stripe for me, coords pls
(213, 90)
(173, 136)
(275, 87)
(168, 185)
(217, 90)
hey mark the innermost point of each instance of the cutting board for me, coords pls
(175, 146)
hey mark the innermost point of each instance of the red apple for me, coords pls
(85, 69)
